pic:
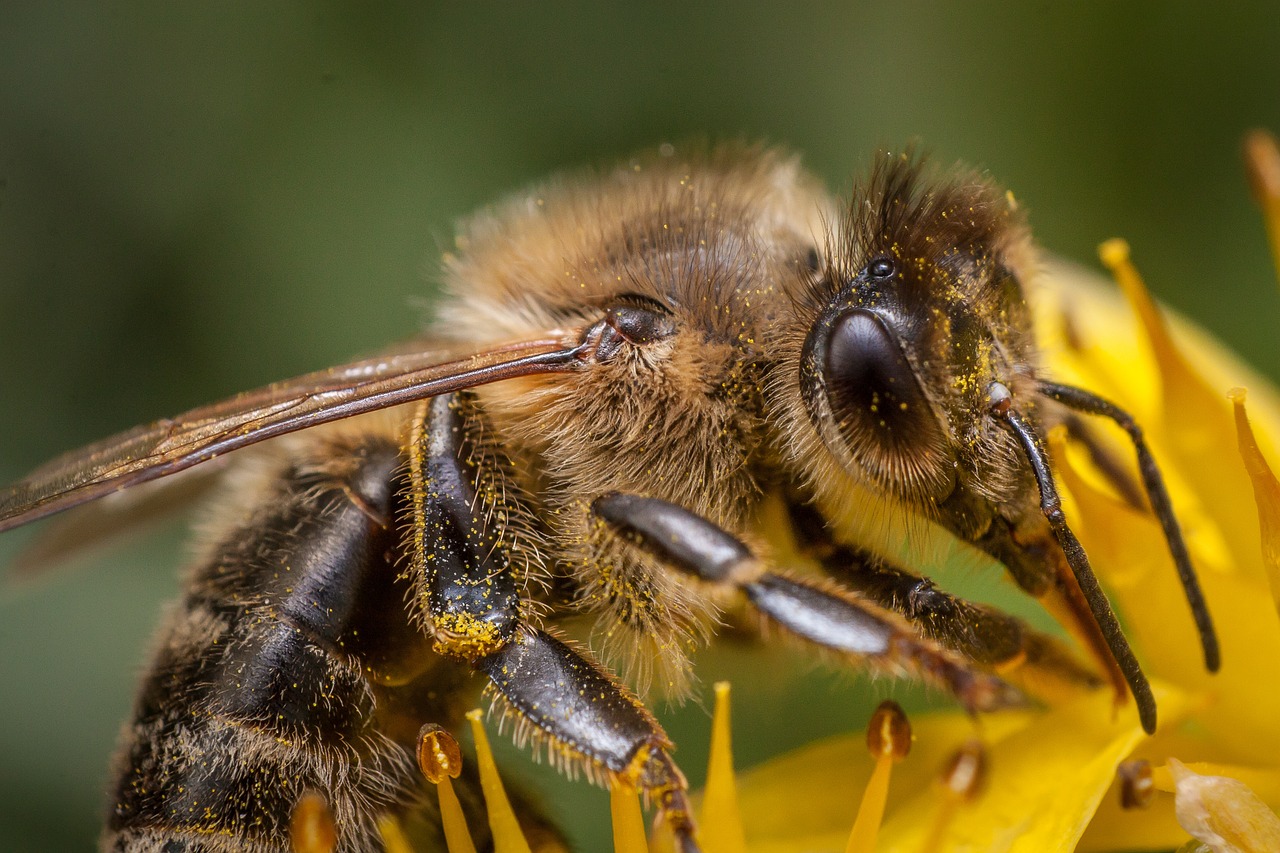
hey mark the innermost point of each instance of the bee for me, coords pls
(634, 369)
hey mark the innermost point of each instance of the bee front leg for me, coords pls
(821, 613)
(1035, 661)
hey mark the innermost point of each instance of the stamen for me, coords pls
(507, 835)
(628, 822)
(962, 780)
(311, 826)
(889, 741)
(1137, 783)
(1262, 164)
(440, 760)
(1266, 493)
(393, 837)
(721, 823)
(1223, 812)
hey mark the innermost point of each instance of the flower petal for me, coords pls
(1043, 785)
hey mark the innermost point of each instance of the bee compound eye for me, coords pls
(871, 386)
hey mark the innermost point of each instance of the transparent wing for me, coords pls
(174, 444)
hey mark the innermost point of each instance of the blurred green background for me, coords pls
(198, 198)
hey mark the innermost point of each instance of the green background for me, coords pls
(198, 197)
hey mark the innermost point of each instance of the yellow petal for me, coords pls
(507, 835)
(628, 822)
(721, 829)
(1111, 356)
(1224, 813)
(822, 783)
(1266, 493)
(1262, 159)
(1044, 782)
(1242, 701)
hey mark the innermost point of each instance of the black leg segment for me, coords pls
(820, 613)
(979, 632)
(467, 586)
(589, 721)
(470, 595)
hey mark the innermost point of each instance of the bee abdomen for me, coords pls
(259, 690)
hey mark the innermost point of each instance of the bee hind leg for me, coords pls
(823, 614)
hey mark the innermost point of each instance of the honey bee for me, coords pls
(634, 368)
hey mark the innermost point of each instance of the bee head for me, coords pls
(917, 312)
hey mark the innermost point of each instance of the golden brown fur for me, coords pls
(404, 556)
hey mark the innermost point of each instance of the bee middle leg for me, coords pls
(820, 613)
(1035, 661)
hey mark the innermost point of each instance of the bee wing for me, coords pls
(175, 444)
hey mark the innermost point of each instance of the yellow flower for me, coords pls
(1050, 780)
(1046, 780)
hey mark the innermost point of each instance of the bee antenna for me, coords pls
(1001, 407)
(1091, 404)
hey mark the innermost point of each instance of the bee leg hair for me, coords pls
(470, 599)
(981, 633)
(821, 613)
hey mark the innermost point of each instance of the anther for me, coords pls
(440, 760)
(966, 772)
(438, 754)
(889, 732)
(963, 777)
(889, 741)
(1266, 492)
(1137, 783)
(311, 826)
